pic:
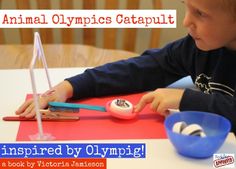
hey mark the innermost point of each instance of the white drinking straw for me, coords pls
(38, 53)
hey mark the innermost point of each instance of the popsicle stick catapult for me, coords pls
(58, 111)
(46, 115)
(118, 108)
(38, 53)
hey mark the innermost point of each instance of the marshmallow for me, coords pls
(179, 126)
(194, 130)
(121, 106)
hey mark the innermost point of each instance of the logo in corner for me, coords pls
(223, 160)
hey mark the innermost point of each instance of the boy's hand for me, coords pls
(161, 100)
(59, 93)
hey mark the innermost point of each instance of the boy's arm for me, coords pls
(155, 68)
(217, 103)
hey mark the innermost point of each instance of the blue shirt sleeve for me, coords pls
(155, 68)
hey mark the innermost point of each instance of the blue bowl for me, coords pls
(216, 128)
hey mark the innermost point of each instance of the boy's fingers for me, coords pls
(27, 111)
(155, 104)
(24, 106)
(143, 101)
(31, 114)
(161, 110)
(165, 113)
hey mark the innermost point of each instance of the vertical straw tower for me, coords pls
(38, 53)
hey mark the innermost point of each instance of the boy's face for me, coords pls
(210, 24)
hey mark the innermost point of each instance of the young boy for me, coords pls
(207, 54)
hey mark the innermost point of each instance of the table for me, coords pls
(60, 55)
(160, 153)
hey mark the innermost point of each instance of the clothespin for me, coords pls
(58, 115)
